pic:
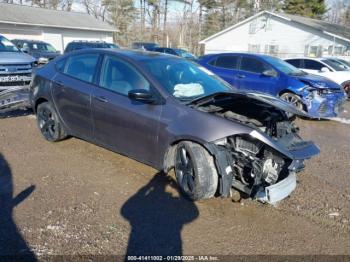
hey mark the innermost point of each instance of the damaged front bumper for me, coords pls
(324, 105)
(279, 191)
(269, 174)
(14, 97)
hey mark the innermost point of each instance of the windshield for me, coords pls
(347, 63)
(185, 54)
(283, 66)
(336, 65)
(7, 46)
(185, 80)
(42, 47)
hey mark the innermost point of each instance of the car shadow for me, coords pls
(12, 245)
(157, 218)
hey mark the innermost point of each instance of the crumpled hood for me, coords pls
(318, 81)
(277, 103)
(15, 58)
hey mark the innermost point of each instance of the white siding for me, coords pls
(57, 37)
(291, 38)
(20, 32)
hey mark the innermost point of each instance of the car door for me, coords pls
(314, 67)
(121, 124)
(225, 66)
(71, 90)
(251, 77)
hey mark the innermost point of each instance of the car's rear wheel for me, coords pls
(293, 99)
(49, 123)
(195, 171)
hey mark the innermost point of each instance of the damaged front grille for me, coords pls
(323, 108)
(14, 86)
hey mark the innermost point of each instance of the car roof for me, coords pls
(29, 41)
(236, 53)
(133, 54)
(309, 58)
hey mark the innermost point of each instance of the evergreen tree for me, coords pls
(308, 8)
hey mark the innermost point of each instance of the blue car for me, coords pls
(318, 96)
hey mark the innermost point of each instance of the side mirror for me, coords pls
(324, 70)
(269, 73)
(141, 95)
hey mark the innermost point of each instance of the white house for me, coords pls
(55, 27)
(282, 35)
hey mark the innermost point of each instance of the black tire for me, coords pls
(195, 171)
(49, 123)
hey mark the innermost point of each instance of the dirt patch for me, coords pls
(73, 197)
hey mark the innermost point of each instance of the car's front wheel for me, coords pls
(49, 123)
(195, 171)
(293, 99)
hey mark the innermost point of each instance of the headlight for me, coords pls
(43, 60)
(324, 91)
(34, 64)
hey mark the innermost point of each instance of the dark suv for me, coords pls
(77, 45)
(175, 51)
(42, 51)
(148, 46)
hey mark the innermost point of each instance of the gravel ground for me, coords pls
(73, 197)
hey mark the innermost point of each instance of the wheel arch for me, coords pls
(39, 101)
(169, 156)
(287, 90)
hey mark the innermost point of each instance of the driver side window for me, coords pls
(253, 65)
(120, 77)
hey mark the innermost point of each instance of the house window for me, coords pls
(253, 27)
(314, 51)
(271, 49)
(338, 50)
(253, 48)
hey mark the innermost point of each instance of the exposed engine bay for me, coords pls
(255, 166)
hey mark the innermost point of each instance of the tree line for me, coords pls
(183, 23)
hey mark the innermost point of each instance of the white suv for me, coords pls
(330, 68)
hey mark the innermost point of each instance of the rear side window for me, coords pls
(294, 62)
(253, 65)
(120, 77)
(313, 65)
(81, 66)
(228, 62)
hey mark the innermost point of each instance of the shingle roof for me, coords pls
(325, 27)
(320, 25)
(21, 14)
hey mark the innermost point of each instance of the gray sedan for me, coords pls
(169, 113)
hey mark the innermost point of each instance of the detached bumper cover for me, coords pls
(14, 97)
(279, 191)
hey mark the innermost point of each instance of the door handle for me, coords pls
(241, 76)
(102, 99)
